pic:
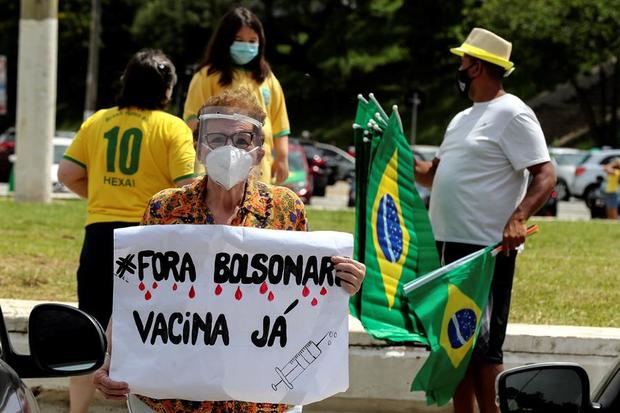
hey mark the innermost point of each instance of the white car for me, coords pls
(566, 161)
(589, 174)
(61, 143)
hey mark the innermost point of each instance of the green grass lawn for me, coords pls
(568, 274)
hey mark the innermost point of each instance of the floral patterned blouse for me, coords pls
(263, 206)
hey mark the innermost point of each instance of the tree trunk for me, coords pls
(588, 111)
(615, 91)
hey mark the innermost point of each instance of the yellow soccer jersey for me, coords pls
(268, 94)
(130, 155)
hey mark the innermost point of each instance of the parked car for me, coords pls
(63, 340)
(60, 147)
(427, 152)
(557, 388)
(424, 192)
(7, 148)
(566, 160)
(299, 177)
(341, 165)
(319, 169)
(590, 170)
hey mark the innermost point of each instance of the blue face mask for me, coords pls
(243, 52)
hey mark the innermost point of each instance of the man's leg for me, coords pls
(464, 400)
(486, 373)
(488, 356)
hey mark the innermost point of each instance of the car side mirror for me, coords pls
(544, 388)
(65, 341)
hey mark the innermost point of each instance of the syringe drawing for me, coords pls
(301, 361)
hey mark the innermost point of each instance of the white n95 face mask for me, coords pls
(228, 165)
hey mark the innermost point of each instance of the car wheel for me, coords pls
(588, 195)
(561, 188)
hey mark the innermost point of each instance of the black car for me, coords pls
(341, 165)
(557, 388)
(318, 167)
(63, 340)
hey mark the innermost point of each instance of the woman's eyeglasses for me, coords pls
(241, 140)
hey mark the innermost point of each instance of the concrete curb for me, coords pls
(380, 374)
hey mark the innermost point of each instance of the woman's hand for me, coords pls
(112, 390)
(350, 272)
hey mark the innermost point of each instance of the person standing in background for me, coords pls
(611, 187)
(235, 57)
(481, 196)
(119, 159)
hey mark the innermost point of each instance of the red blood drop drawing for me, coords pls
(263, 288)
(314, 302)
(141, 287)
(306, 291)
(192, 292)
(218, 290)
(154, 285)
(174, 287)
(238, 294)
(147, 296)
(270, 297)
(323, 291)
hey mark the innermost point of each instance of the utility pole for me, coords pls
(92, 73)
(36, 99)
(415, 100)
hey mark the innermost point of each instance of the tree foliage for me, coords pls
(325, 52)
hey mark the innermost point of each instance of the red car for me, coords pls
(7, 148)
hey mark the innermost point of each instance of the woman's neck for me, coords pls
(224, 204)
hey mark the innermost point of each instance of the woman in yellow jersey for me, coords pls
(119, 159)
(236, 57)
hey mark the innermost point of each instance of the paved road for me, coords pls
(337, 197)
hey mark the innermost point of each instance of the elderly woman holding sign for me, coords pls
(230, 146)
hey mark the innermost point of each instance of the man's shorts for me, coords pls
(95, 275)
(488, 346)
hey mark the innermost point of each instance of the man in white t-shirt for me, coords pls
(480, 193)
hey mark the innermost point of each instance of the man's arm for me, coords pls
(543, 182)
(425, 172)
(74, 177)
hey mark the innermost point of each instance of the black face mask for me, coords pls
(463, 81)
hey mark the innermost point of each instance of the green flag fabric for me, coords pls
(394, 229)
(450, 305)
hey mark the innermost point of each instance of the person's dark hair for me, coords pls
(495, 72)
(217, 56)
(146, 80)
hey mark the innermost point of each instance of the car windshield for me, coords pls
(59, 151)
(570, 158)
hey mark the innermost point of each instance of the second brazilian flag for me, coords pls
(399, 240)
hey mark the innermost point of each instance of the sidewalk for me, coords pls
(380, 375)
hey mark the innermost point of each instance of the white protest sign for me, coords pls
(210, 312)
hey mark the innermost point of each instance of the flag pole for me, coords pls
(425, 279)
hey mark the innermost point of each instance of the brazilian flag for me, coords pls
(398, 240)
(449, 304)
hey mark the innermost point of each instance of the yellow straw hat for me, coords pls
(487, 46)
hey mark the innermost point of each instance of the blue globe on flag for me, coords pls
(389, 231)
(461, 327)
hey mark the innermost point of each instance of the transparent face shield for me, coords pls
(226, 126)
